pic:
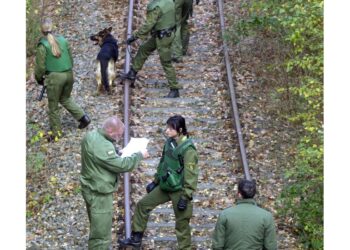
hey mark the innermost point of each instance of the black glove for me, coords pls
(117, 151)
(130, 40)
(197, 2)
(41, 82)
(182, 204)
(151, 186)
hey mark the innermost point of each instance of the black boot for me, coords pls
(84, 121)
(135, 240)
(131, 75)
(173, 93)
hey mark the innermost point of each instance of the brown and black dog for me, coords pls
(106, 58)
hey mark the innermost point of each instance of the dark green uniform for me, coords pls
(160, 17)
(245, 226)
(58, 80)
(183, 8)
(99, 179)
(159, 196)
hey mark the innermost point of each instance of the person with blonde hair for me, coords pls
(53, 69)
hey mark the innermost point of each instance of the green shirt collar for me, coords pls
(104, 134)
(181, 139)
(246, 201)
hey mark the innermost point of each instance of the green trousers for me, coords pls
(155, 198)
(183, 8)
(59, 89)
(100, 212)
(163, 47)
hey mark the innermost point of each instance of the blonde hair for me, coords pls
(46, 29)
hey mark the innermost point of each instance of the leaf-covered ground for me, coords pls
(56, 211)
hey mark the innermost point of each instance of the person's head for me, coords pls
(113, 127)
(246, 188)
(176, 126)
(46, 29)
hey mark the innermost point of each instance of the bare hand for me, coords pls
(145, 153)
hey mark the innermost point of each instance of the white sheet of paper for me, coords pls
(135, 145)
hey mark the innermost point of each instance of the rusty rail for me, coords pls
(126, 122)
(236, 121)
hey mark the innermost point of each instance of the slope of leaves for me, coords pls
(283, 40)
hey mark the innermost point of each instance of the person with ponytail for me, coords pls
(53, 69)
(176, 181)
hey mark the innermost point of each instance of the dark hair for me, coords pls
(177, 122)
(247, 188)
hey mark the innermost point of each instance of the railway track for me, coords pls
(205, 103)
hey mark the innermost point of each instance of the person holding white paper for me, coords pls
(176, 181)
(101, 166)
(134, 145)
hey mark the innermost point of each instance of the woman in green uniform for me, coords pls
(53, 68)
(176, 180)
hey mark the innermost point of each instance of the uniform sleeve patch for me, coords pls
(111, 152)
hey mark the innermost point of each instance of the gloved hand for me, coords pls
(197, 2)
(41, 82)
(151, 186)
(131, 40)
(118, 152)
(182, 204)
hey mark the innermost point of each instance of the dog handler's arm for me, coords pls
(151, 20)
(40, 63)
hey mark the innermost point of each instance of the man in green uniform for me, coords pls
(183, 10)
(160, 22)
(99, 178)
(245, 226)
(53, 69)
(176, 180)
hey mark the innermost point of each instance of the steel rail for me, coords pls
(127, 83)
(236, 121)
(126, 122)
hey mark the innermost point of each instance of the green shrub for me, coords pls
(33, 32)
(36, 152)
(297, 27)
(35, 161)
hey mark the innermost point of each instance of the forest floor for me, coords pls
(56, 215)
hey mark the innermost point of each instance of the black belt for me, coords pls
(163, 33)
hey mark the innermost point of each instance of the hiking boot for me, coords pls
(173, 93)
(84, 121)
(131, 75)
(134, 241)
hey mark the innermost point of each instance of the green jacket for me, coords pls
(191, 170)
(101, 164)
(45, 61)
(243, 227)
(160, 15)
